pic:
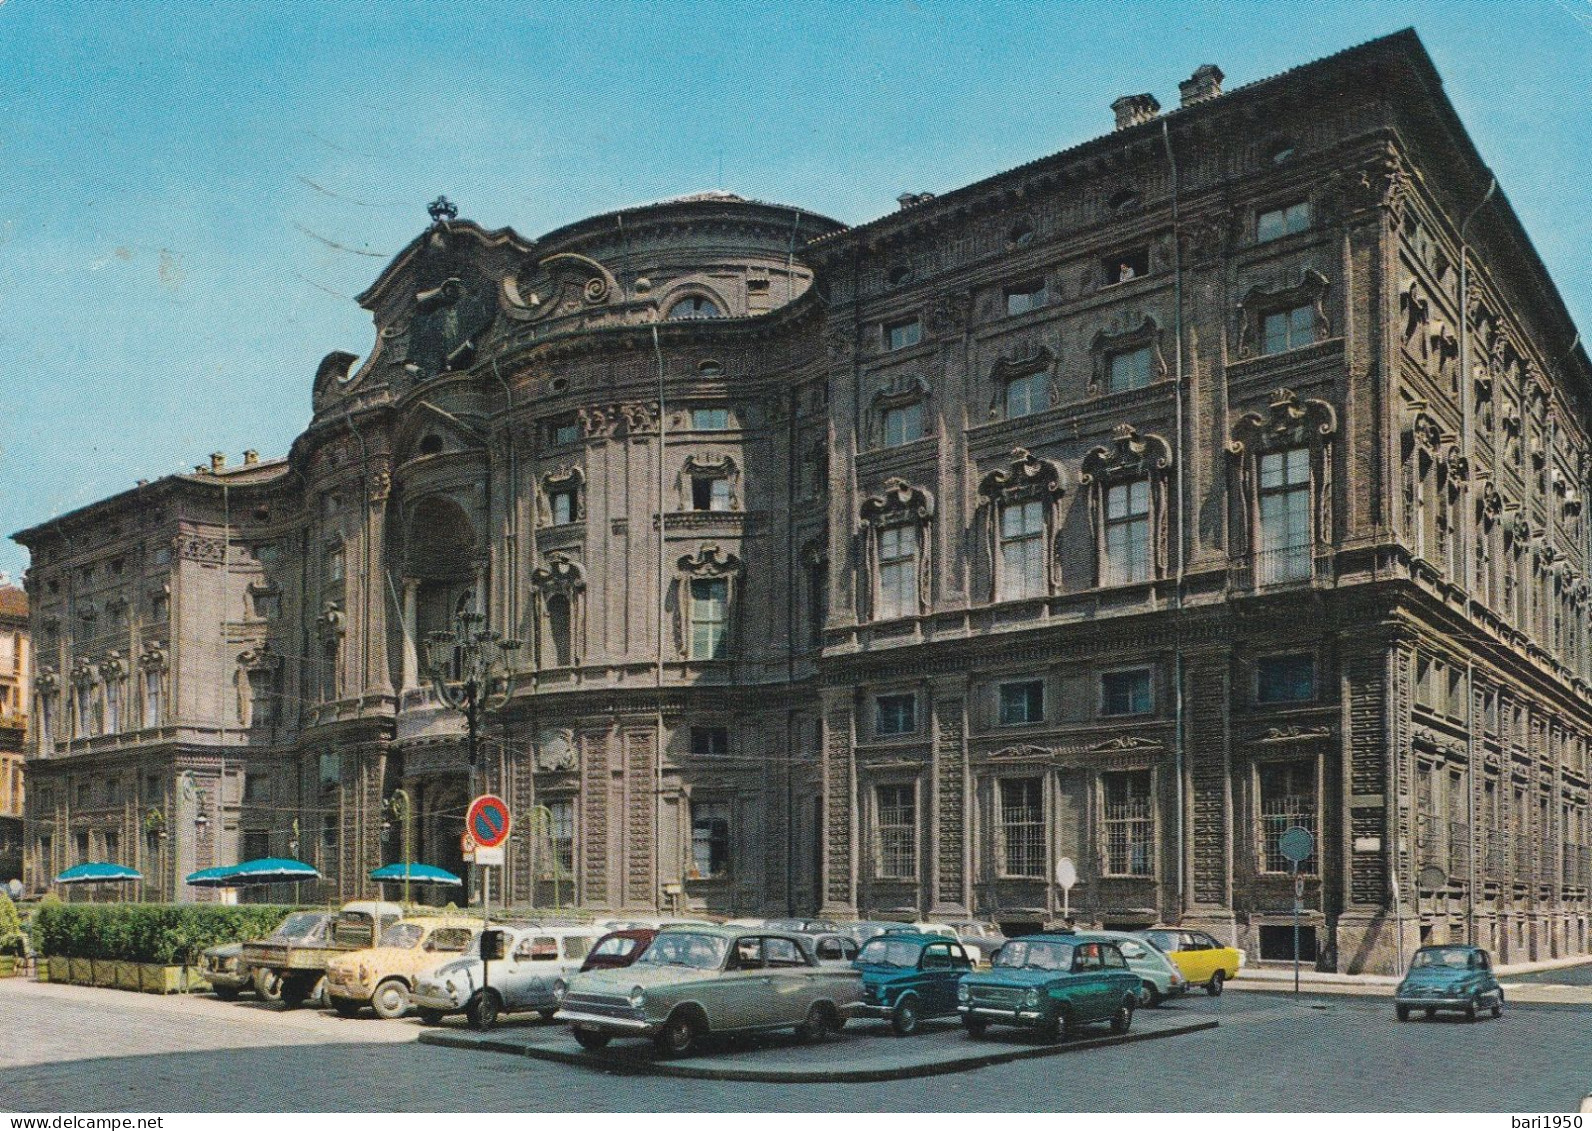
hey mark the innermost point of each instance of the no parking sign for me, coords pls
(487, 822)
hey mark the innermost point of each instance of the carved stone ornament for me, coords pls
(618, 420)
(1424, 430)
(719, 465)
(1026, 477)
(815, 552)
(898, 504)
(558, 574)
(330, 623)
(1023, 753)
(1491, 505)
(1294, 733)
(1380, 183)
(1287, 422)
(1125, 742)
(47, 682)
(565, 283)
(555, 750)
(1517, 528)
(949, 313)
(1454, 468)
(153, 657)
(1130, 454)
(258, 658)
(112, 667)
(331, 376)
(380, 485)
(1259, 301)
(710, 561)
(83, 671)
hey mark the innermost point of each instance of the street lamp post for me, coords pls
(470, 670)
(399, 805)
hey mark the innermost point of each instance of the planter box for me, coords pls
(8, 966)
(104, 973)
(58, 969)
(127, 975)
(154, 979)
(82, 973)
(194, 980)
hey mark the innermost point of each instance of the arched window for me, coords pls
(560, 588)
(694, 306)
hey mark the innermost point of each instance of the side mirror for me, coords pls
(493, 945)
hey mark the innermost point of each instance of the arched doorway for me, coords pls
(441, 825)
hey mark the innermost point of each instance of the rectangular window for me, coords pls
(113, 705)
(561, 833)
(710, 839)
(1284, 534)
(83, 856)
(1027, 394)
(1278, 222)
(1126, 265)
(1130, 369)
(710, 599)
(903, 424)
(897, 807)
(895, 714)
(328, 836)
(1285, 679)
(565, 431)
(1287, 798)
(1126, 692)
(256, 791)
(710, 493)
(898, 572)
(334, 564)
(1022, 550)
(710, 419)
(1284, 330)
(563, 507)
(710, 742)
(1022, 702)
(331, 771)
(1127, 533)
(1128, 824)
(256, 844)
(1026, 297)
(900, 335)
(1022, 827)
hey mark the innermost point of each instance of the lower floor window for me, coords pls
(1129, 823)
(898, 831)
(1287, 798)
(1022, 827)
(561, 838)
(710, 839)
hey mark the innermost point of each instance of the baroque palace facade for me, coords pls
(1220, 474)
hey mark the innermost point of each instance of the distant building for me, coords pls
(15, 687)
(1219, 475)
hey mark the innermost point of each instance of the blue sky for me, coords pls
(191, 192)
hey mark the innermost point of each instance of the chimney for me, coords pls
(1205, 84)
(250, 457)
(1135, 109)
(910, 199)
(218, 460)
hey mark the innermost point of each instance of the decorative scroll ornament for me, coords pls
(331, 622)
(1287, 422)
(47, 682)
(561, 284)
(558, 575)
(899, 503)
(710, 561)
(259, 658)
(1126, 742)
(1294, 733)
(1310, 290)
(153, 658)
(112, 667)
(555, 750)
(1026, 477)
(1131, 453)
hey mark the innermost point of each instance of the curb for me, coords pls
(621, 1064)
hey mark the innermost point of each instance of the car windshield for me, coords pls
(1162, 940)
(684, 948)
(455, 939)
(1446, 957)
(405, 936)
(300, 925)
(885, 951)
(1034, 956)
(615, 946)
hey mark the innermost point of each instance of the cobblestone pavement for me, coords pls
(73, 1049)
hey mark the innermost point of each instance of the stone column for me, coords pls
(411, 675)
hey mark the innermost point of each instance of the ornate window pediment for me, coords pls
(1041, 361)
(1287, 422)
(706, 603)
(1259, 301)
(563, 497)
(1116, 341)
(895, 577)
(1130, 454)
(558, 574)
(899, 503)
(1026, 477)
(898, 412)
(112, 667)
(709, 466)
(84, 672)
(710, 561)
(1128, 491)
(558, 586)
(1019, 519)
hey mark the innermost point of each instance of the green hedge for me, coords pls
(166, 934)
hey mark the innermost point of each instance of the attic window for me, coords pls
(696, 306)
(1124, 202)
(1022, 234)
(431, 445)
(1125, 265)
(558, 385)
(900, 275)
(1279, 151)
(710, 368)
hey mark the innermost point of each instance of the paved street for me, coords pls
(74, 1049)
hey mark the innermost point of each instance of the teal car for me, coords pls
(1051, 983)
(907, 977)
(1450, 978)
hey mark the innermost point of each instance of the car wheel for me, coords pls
(814, 1025)
(591, 1039)
(268, 985)
(1404, 1012)
(976, 1027)
(346, 1007)
(1122, 1019)
(548, 1014)
(1152, 995)
(1057, 1027)
(228, 993)
(431, 1017)
(293, 992)
(904, 1021)
(1498, 1009)
(391, 1000)
(1430, 1013)
(677, 1038)
(483, 1010)
(318, 995)
(1214, 986)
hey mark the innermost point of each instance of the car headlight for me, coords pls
(1031, 998)
(560, 988)
(962, 992)
(638, 997)
(451, 988)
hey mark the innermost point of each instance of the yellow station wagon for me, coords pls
(384, 976)
(1198, 956)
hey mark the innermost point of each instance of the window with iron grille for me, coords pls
(561, 835)
(897, 810)
(1284, 534)
(1022, 550)
(1022, 826)
(1129, 823)
(710, 839)
(1287, 798)
(1127, 535)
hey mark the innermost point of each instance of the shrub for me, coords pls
(11, 940)
(165, 934)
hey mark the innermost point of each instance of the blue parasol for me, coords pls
(98, 874)
(270, 870)
(416, 873)
(211, 877)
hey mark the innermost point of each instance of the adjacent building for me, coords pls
(1220, 475)
(15, 685)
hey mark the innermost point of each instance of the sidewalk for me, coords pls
(1280, 978)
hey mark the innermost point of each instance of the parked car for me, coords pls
(831, 948)
(906, 978)
(1159, 976)
(800, 926)
(617, 949)
(1052, 983)
(383, 976)
(696, 981)
(229, 974)
(534, 959)
(1449, 977)
(1202, 960)
(866, 929)
(981, 939)
(293, 969)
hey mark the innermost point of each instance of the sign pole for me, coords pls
(1296, 926)
(1296, 844)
